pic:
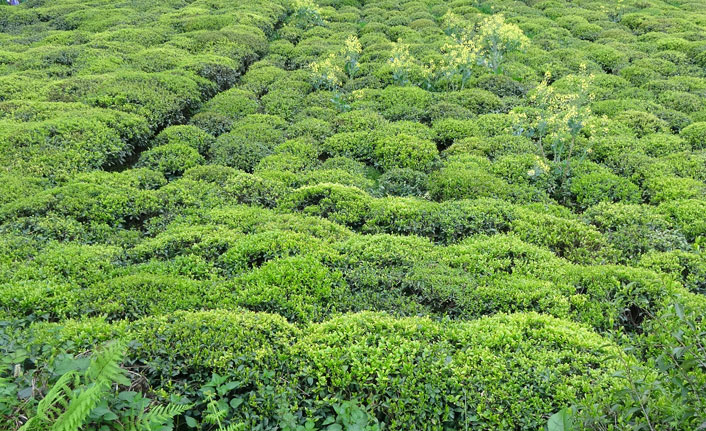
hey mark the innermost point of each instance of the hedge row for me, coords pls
(409, 373)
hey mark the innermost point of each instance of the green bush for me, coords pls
(681, 101)
(238, 151)
(337, 176)
(232, 104)
(670, 188)
(405, 151)
(411, 128)
(618, 297)
(401, 103)
(570, 239)
(254, 250)
(449, 130)
(284, 103)
(340, 204)
(477, 101)
(188, 135)
(635, 229)
(494, 147)
(286, 162)
(311, 127)
(359, 121)
(466, 177)
(402, 216)
(250, 189)
(687, 215)
(89, 203)
(15, 187)
(592, 188)
(609, 58)
(346, 164)
(443, 109)
(490, 125)
(300, 289)
(163, 98)
(501, 255)
(141, 294)
(520, 169)
(37, 300)
(695, 135)
(642, 123)
(423, 381)
(207, 241)
(662, 144)
(637, 75)
(403, 182)
(259, 79)
(269, 129)
(356, 145)
(44, 143)
(501, 85)
(171, 159)
(212, 123)
(245, 342)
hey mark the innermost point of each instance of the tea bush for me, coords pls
(261, 338)
(467, 177)
(405, 151)
(430, 362)
(297, 288)
(188, 135)
(237, 151)
(171, 159)
(695, 135)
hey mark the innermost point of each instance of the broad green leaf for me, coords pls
(191, 422)
(235, 402)
(561, 421)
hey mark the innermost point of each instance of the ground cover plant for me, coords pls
(373, 215)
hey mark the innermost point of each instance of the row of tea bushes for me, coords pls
(413, 372)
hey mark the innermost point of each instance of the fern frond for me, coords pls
(159, 415)
(105, 367)
(51, 406)
(233, 427)
(78, 410)
(215, 416)
(66, 406)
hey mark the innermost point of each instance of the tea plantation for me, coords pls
(349, 215)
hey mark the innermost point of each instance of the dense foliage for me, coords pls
(353, 215)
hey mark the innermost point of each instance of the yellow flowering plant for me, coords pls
(351, 53)
(330, 72)
(401, 64)
(495, 38)
(557, 119)
(459, 60)
(454, 25)
(615, 10)
(487, 46)
(327, 73)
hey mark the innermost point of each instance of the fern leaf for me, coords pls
(58, 396)
(233, 427)
(101, 374)
(79, 409)
(66, 407)
(105, 367)
(159, 415)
